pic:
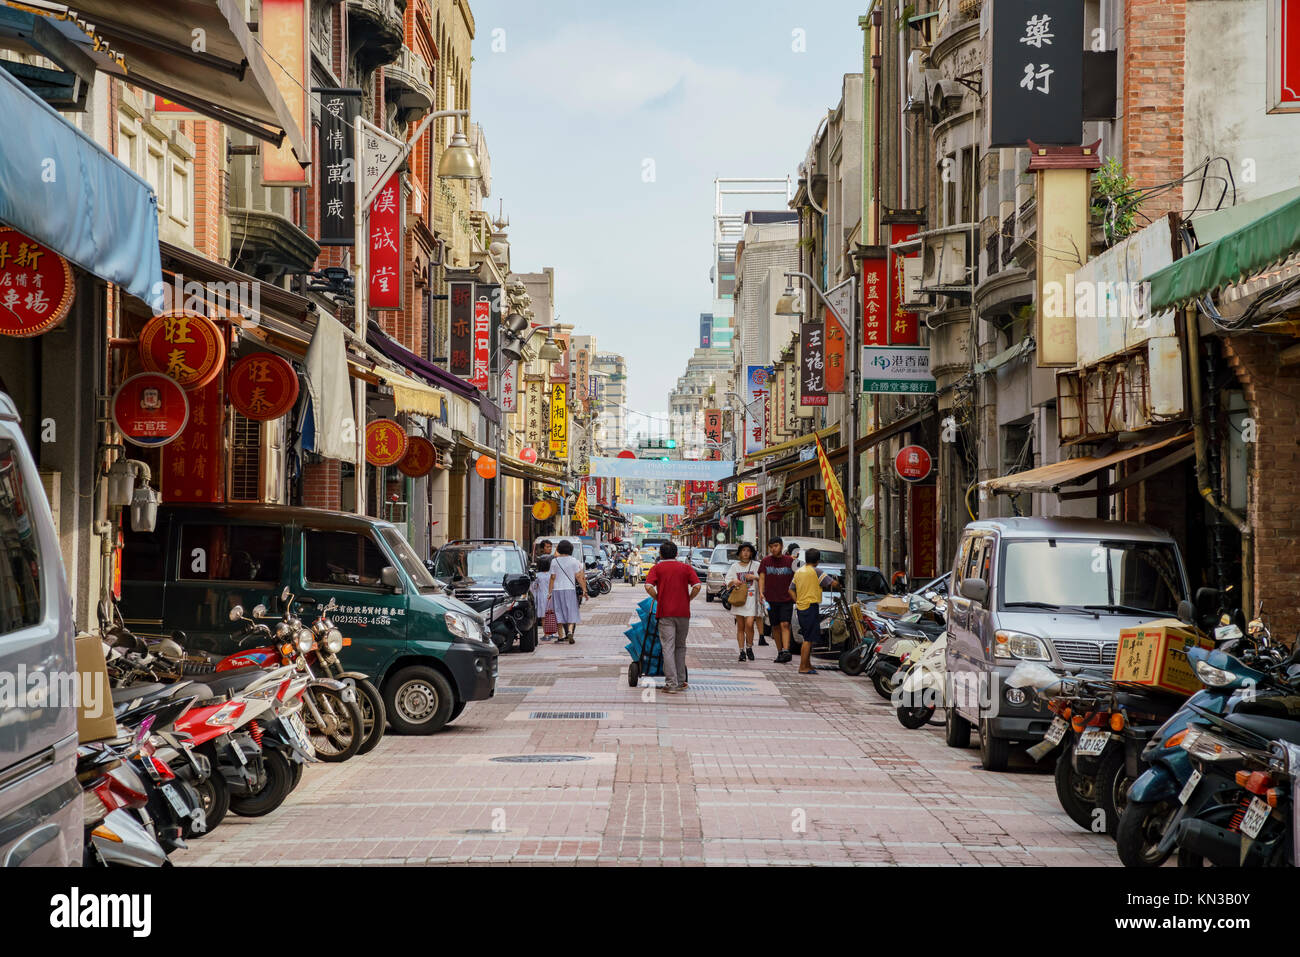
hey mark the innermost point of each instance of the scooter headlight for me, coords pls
(334, 641)
(305, 640)
(1212, 676)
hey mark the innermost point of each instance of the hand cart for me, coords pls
(648, 659)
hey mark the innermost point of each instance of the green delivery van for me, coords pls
(428, 653)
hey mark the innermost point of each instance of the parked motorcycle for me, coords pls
(510, 617)
(329, 642)
(920, 688)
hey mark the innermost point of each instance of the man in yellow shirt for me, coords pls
(807, 588)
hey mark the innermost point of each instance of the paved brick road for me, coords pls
(752, 765)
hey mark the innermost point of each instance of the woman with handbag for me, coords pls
(568, 585)
(542, 598)
(742, 597)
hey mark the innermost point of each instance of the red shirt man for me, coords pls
(673, 585)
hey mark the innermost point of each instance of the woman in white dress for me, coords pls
(744, 571)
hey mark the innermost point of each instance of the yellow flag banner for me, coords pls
(833, 491)
(580, 512)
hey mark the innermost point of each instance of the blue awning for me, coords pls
(61, 188)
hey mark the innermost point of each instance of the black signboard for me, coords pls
(1037, 73)
(812, 364)
(460, 297)
(338, 115)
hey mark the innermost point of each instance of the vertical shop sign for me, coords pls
(510, 387)
(460, 298)
(482, 341)
(192, 464)
(713, 434)
(385, 263)
(812, 364)
(283, 35)
(904, 327)
(924, 524)
(559, 439)
(875, 310)
(1036, 87)
(338, 116)
(534, 428)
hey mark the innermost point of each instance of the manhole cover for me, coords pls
(567, 715)
(541, 758)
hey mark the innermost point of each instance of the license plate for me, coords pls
(1256, 815)
(175, 800)
(1056, 732)
(239, 753)
(1186, 794)
(1225, 632)
(299, 730)
(1092, 741)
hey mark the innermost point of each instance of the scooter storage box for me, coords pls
(1155, 655)
(95, 720)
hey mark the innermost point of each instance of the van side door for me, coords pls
(346, 565)
(960, 658)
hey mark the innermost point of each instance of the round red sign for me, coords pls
(528, 454)
(36, 286)
(262, 386)
(186, 346)
(420, 457)
(912, 463)
(627, 454)
(150, 409)
(385, 443)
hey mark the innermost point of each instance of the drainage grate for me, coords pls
(514, 689)
(567, 715)
(542, 758)
(719, 688)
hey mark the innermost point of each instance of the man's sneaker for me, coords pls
(742, 659)
(667, 690)
(749, 653)
(762, 640)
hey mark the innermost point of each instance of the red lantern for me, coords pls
(36, 286)
(150, 409)
(420, 458)
(486, 467)
(385, 443)
(184, 345)
(263, 386)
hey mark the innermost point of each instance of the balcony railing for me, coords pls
(407, 84)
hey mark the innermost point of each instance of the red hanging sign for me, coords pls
(420, 457)
(875, 322)
(528, 454)
(263, 386)
(385, 443)
(904, 327)
(36, 286)
(192, 465)
(184, 346)
(482, 343)
(385, 261)
(913, 463)
(150, 409)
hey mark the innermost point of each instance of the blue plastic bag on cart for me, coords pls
(642, 634)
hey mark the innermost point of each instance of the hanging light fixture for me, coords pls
(458, 159)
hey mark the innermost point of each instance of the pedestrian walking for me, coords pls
(807, 586)
(541, 589)
(542, 549)
(742, 578)
(674, 586)
(774, 574)
(567, 576)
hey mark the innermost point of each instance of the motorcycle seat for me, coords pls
(132, 692)
(1266, 727)
(224, 682)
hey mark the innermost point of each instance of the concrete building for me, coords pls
(703, 385)
(611, 402)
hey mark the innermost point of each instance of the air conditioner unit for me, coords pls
(944, 261)
(912, 275)
(919, 82)
(945, 98)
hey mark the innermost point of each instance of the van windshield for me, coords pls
(1120, 577)
(476, 562)
(405, 554)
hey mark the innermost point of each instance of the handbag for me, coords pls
(738, 595)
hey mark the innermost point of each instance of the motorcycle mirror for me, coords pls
(259, 611)
(237, 613)
(1186, 612)
(284, 595)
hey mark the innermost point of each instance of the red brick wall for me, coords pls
(209, 188)
(322, 484)
(1153, 98)
(1273, 394)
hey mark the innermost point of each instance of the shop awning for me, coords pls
(62, 189)
(419, 365)
(513, 467)
(1057, 475)
(230, 79)
(792, 445)
(839, 456)
(1238, 255)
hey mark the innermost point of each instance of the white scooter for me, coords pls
(921, 690)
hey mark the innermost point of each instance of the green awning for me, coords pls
(1238, 255)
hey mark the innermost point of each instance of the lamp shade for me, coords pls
(458, 160)
(789, 304)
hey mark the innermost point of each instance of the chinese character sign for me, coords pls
(535, 428)
(36, 286)
(581, 375)
(812, 364)
(262, 386)
(150, 409)
(896, 370)
(192, 464)
(758, 381)
(283, 36)
(1036, 90)
(338, 115)
(185, 346)
(559, 439)
(510, 387)
(713, 434)
(482, 343)
(460, 301)
(385, 254)
(904, 327)
(875, 310)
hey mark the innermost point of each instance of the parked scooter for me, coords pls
(329, 642)
(511, 617)
(920, 689)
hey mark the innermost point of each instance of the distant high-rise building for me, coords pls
(732, 199)
(610, 370)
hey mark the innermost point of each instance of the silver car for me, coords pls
(719, 562)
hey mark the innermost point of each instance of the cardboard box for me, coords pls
(95, 720)
(1155, 655)
(892, 606)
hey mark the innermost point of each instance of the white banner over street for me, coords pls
(655, 469)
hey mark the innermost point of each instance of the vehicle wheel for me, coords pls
(214, 797)
(913, 718)
(456, 712)
(1076, 792)
(884, 686)
(956, 729)
(373, 715)
(279, 782)
(528, 640)
(419, 700)
(1112, 786)
(1140, 829)
(633, 674)
(853, 661)
(344, 728)
(994, 752)
(708, 596)
(297, 775)
(503, 639)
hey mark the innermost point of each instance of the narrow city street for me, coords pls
(751, 765)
